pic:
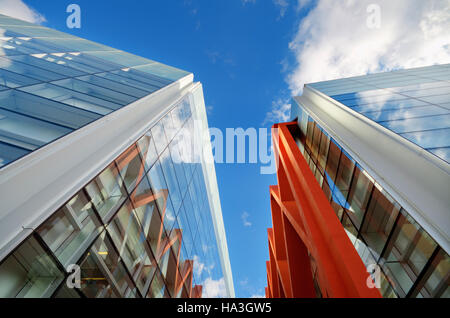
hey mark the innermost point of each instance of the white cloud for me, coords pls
(282, 5)
(280, 111)
(245, 220)
(258, 296)
(302, 3)
(214, 288)
(18, 9)
(334, 40)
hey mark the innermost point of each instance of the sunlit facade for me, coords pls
(105, 171)
(377, 147)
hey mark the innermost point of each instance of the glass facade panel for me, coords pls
(381, 215)
(103, 274)
(437, 279)
(107, 192)
(71, 229)
(29, 272)
(410, 102)
(127, 234)
(407, 253)
(27, 132)
(359, 195)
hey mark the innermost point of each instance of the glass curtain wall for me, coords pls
(52, 83)
(383, 233)
(141, 228)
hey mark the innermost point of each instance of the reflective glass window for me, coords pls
(334, 155)
(146, 204)
(27, 70)
(72, 98)
(407, 253)
(129, 238)
(437, 277)
(158, 287)
(26, 132)
(9, 153)
(40, 61)
(323, 152)
(95, 91)
(359, 195)
(406, 113)
(107, 192)
(103, 274)
(130, 167)
(113, 85)
(171, 178)
(430, 138)
(71, 229)
(45, 109)
(168, 73)
(29, 272)
(159, 137)
(13, 80)
(344, 174)
(379, 220)
(147, 150)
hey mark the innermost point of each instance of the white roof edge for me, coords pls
(418, 180)
(209, 173)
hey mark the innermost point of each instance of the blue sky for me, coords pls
(251, 56)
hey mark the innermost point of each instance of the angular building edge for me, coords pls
(67, 164)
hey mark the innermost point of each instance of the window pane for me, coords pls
(168, 73)
(103, 275)
(344, 174)
(128, 236)
(107, 192)
(29, 272)
(333, 161)
(42, 108)
(323, 152)
(9, 153)
(13, 80)
(159, 137)
(66, 292)
(40, 61)
(437, 282)
(71, 230)
(113, 85)
(171, 179)
(359, 195)
(96, 91)
(407, 253)
(157, 288)
(131, 167)
(28, 133)
(380, 218)
(316, 142)
(147, 150)
(72, 98)
(146, 209)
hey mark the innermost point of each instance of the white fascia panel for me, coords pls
(209, 173)
(419, 181)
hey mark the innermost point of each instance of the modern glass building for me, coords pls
(377, 151)
(106, 171)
